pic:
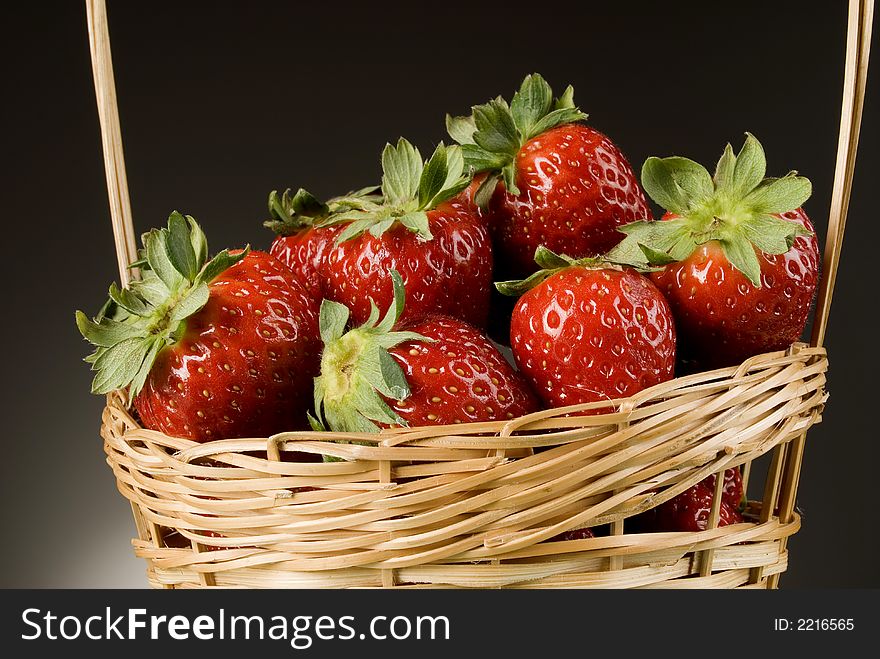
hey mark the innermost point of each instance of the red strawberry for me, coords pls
(301, 245)
(690, 510)
(574, 534)
(741, 257)
(563, 185)
(441, 248)
(433, 370)
(208, 349)
(585, 331)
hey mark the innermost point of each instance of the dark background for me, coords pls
(221, 102)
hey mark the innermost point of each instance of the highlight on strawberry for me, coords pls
(300, 243)
(585, 330)
(739, 256)
(350, 245)
(544, 178)
(207, 349)
(431, 370)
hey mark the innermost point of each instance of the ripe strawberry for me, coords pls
(574, 534)
(432, 370)
(440, 247)
(585, 330)
(690, 510)
(563, 185)
(300, 244)
(741, 257)
(208, 349)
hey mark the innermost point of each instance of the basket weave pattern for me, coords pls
(473, 505)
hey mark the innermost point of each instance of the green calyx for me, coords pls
(494, 133)
(291, 213)
(738, 207)
(137, 322)
(357, 370)
(410, 188)
(551, 263)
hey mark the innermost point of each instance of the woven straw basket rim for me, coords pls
(482, 504)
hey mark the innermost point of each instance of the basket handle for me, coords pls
(111, 138)
(858, 44)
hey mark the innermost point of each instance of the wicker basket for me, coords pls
(478, 505)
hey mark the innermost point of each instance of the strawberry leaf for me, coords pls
(556, 118)
(660, 184)
(150, 288)
(402, 169)
(531, 103)
(155, 242)
(433, 176)
(380, 227)
(385, 375)
(128, 300)
(771, 234)
(482, 160)
(508, 175)
(750, 167)
(219, 264)
(566, 100)
(409, 190)
(691, 177)
(368, 403)
(550, 263)
(198, 240)
(741, 254)
(179, 246)
(392, 315)
(119, 364)
(655, 257)
(455, 168)
(105, 334)
(417, 223)
(195, 299)
(461, 129)
(724, 169)
(155, 345)
(548, 259)
(496, 131)
(486, 189)
(315, 424)
(332, 319)
(779, 195)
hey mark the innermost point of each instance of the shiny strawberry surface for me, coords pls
(576, 188)
(305, 253)
(587, 334)
(459, 377)
(450, 274)
(245, 363)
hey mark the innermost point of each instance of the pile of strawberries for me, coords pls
(370, 310)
